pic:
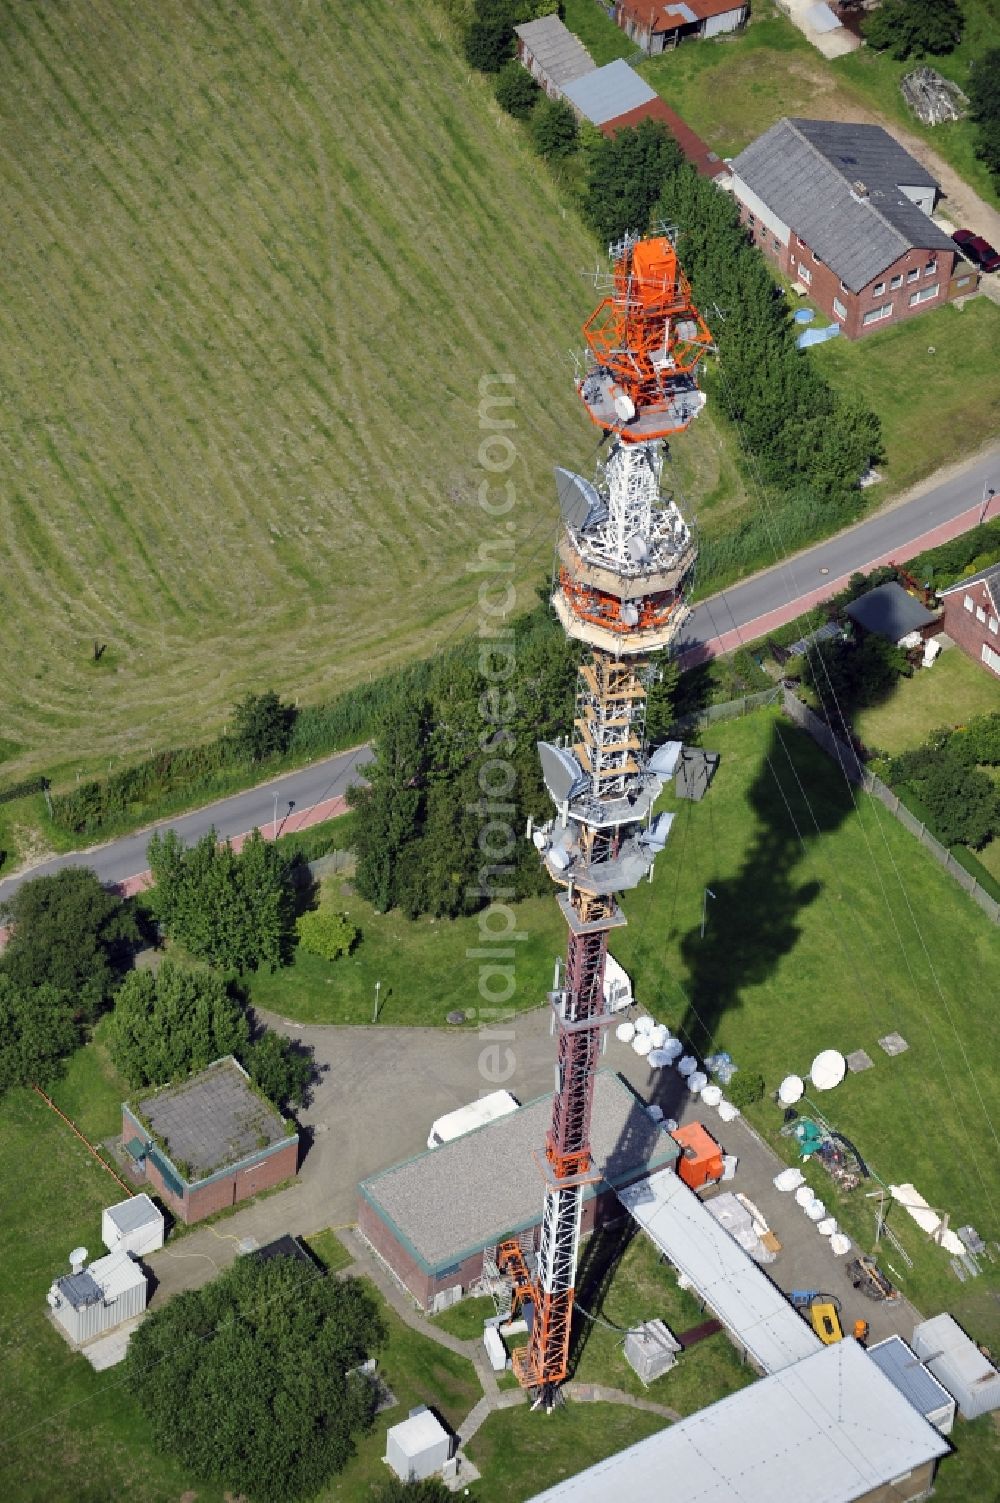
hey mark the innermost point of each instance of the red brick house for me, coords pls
(209, 1142)
(845, 212)
(972, 617)
(655, 25)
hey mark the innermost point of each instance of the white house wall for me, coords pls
(730, 20)
(923, 197)
(759, 208)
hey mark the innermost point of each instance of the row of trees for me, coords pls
(911, 28)
(984, 108)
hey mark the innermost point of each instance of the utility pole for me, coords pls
(988, 493)
(274, 826)
(708, 893)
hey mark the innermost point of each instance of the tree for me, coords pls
(489, 36)
(430, 1490)
(660, 702)
(262, 726)
(627, 176)
(323, 932)
(234, 911)
(168, 1023)
(69, 933)
(903, 27)
(515, 90)
(984, 108)
(37, 1031)
(553, 128)
(280, 1068)
(249, 1379)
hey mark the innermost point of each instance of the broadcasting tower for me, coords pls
(625, 555)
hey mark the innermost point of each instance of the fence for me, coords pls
(732, 709)
(855, 771)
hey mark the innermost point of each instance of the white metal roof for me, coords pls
(417, 1433)
(942, 1340)
(129, 1215)
(559, 53)
(831, 1429)
(608, 92)
(726, 1278)
(115, 1274)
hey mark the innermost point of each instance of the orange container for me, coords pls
(701, 1157)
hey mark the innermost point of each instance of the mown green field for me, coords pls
(257, 259)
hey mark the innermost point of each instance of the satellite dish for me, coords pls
(790, 1090)
(638, 548)
(624, 407)
(828, 1069)
(558, 858)
(539, 841)
(77, 1258)
(630, 614)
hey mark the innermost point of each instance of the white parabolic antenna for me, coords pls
(77, 1258)
(828, 1069)
(790, 1090)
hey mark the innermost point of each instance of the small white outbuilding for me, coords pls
(417, 1447)
(958, 1364)
(90, 1301)
(134, 1225)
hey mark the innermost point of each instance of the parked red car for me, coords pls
(979, 251)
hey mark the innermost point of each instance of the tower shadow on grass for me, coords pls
(754, 924)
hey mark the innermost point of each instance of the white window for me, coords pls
(896, 282)
(930, 268)
(911, 276)
(805, 273)
(844, 287)
(878, 313)
(980, 613)
(838, 308)
(878, 289)
(991, 658)
(963, 281)
(993, 625)
(924, 294)
(969, 603)
(776, 242)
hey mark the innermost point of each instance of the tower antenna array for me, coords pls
(625, 557)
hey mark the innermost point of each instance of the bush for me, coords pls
(325, 933)
(280, 1068)
(166, 1025)
(746, 1087)
(515, 90)
(262, 727)
(553, 128)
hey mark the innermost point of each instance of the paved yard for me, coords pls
(381, 1089)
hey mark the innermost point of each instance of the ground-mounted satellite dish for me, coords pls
(828, 1069)
(624, 407)
(77, 1258)
(790, 1090)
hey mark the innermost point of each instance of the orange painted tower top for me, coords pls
(645, 341)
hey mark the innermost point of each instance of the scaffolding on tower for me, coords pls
(625, 559)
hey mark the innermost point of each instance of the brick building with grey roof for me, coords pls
(209, 1141)
(972, 616)
(845, 212)
(431, 1218)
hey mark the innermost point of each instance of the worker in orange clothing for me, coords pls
(861, 1331)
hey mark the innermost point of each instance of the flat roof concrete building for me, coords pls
(417, 1447)
(209, 1141)
(958, 1364)
(135, 1225)
(830, 1429)
(431, 1218)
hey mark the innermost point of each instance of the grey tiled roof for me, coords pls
(808, 172)
(889, 612)
(560, 55)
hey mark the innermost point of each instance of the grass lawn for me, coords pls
(934, 408)
(422, 965)
(331, 1252)
(520, 1453)
(69, 1432)
(949, 694)
(643, 1288)
(465, 1320)
(820, 943)
(250, 291)
(602, 38)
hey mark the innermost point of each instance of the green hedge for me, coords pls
(975, 868)
(23, 789)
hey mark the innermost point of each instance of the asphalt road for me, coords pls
(230, 817)
(786, 588)
(947, 506)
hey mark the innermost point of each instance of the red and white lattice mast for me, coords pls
(625, 557)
